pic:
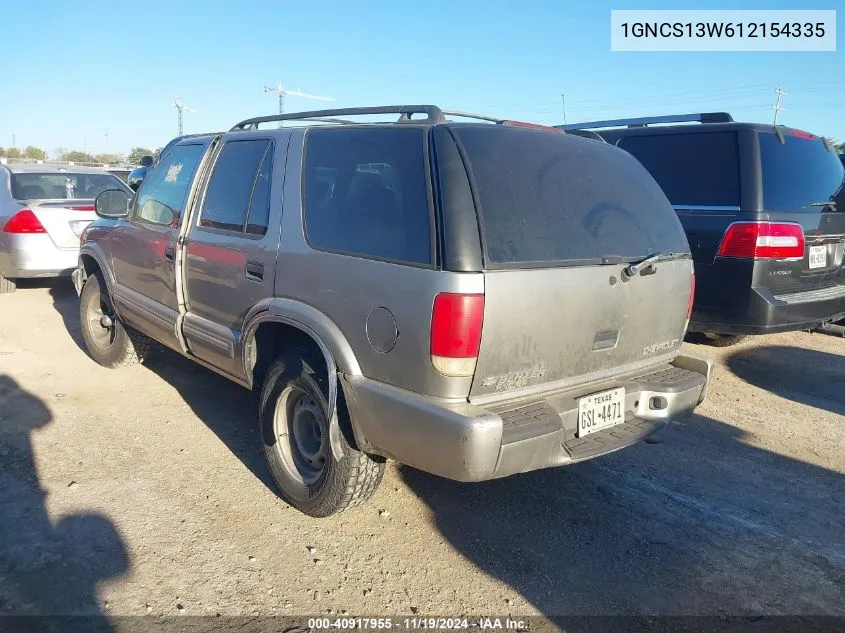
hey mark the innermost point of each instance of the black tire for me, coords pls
(6, 285)
(724, 340)
(298, 438)
(113, 345)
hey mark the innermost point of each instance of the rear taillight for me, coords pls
(456, 321)
(24, 221)
(691, 295)
(763, 240)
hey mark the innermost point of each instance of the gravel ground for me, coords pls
(144, 491)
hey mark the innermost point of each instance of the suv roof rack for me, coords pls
(701, 117)
(433, 113)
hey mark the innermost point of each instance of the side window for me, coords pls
(161, 198)
(365, 193)
(259, 207)
(695, 169)
(230, 187)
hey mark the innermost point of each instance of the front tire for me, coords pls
(315, 466)
(109, 342)
(6, 285)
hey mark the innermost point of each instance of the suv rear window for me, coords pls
(798, 173)
(550, 198)
(697, 169)
(365, 193)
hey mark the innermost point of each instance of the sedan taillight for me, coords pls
(24, 221)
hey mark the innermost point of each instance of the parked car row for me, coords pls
(473, 299)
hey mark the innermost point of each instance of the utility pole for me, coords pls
(180, 109)
(563, 107)
(780, 92)
(282, 91)
(13, 141)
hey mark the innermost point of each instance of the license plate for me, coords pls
(77, 226)
(818, 256)
(600, 411)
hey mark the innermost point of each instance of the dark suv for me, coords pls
(471, 299)
(764, 214)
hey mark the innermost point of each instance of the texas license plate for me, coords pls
(600, 411)
(818, 256)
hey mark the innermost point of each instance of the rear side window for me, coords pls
(231, 185)
(365, 193)
(799, 173)
(550, 198)
(693, 169)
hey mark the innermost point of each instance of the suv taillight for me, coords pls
(691, 295)
(24, 221)
(763, 240)
(456, 321)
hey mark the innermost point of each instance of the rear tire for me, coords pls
(724, 340)
(300, 442)
(6, 285)
(109, 342)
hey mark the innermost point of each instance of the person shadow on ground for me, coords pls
(46, 569)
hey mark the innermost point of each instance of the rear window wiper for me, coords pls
(635, 268)
(829, 203)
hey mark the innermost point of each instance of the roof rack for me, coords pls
(433, 113)
(702, 117)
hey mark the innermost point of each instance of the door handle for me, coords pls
(255, 271)
(169, 253)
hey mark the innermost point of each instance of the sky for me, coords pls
(102, 76)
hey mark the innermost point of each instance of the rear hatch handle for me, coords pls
(635, 268)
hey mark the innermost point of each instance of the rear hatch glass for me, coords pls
(799, 174)
(550, 199)
(560, 216)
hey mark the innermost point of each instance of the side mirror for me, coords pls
(146, 161)
(112, 203)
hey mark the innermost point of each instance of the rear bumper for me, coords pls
(465, 442)
(766, 313)
(30, 256)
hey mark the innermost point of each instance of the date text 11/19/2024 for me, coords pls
(412, 623)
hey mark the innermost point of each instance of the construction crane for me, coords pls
(283, 92)
(180, 109)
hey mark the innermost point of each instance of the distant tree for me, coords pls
(76, 156)
(841, 148)
(12, 152)
(35, 152)
(136, 153)
(108, 159)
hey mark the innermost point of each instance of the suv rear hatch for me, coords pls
(803, 184)
(561, 217)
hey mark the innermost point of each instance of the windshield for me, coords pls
(799, 173)
(34, 186)
(549, 198)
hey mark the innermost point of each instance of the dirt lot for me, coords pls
(143, 491)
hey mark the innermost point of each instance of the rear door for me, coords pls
(230, 252)
(561, 217)
(803, 183)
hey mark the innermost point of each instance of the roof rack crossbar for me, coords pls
(701, 117)
(433, 115)
(470, 115)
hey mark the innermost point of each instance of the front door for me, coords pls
(231, 247)
(144, 250)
